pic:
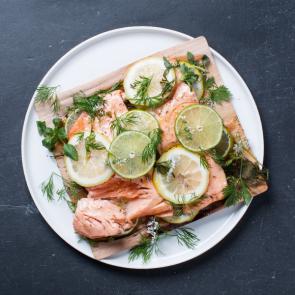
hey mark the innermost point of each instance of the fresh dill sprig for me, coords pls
(92, 104)
(145, 249)
(203, 160)
(92, 144)
(48, 189)
(47, 94)
(186, 237)
(119, 124)
(164, 167)
(142, 84)
(149, 245)
(151, 148)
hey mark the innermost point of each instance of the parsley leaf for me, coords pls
(70, 151)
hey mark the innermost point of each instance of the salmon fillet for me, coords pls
(167, 113)
(82, 124)
(117, 187)
(140, 195)
(96, 219)
(114, 106)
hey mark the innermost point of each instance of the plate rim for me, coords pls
(61, 60)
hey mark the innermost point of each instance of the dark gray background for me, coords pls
(258, 38)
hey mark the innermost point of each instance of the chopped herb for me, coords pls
(186, 237)
(142, 84)
(203, 160)
(188, 76)
(164, 167)
(48, 189)
(47, 94)
(119, 124)
(70, 151)
(149, 245)
(52, 135)
(215, 94)
(92, 104)
(92, 144)
(237, 190)
(151, 148)
(201, 65)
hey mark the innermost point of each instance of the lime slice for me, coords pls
(198, 127)
(125, 154)
(199, 85)
(138, 120)
(91, 168)
(225, 144)
(186, 181)
(150, 71)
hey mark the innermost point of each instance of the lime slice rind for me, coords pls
(198, 127)
(125, 155)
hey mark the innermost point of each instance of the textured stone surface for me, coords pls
(258, 38)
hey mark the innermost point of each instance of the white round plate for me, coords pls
(87, 61)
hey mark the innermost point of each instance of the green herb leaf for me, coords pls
(215, 94)
(164, 167)
(47, 188)
(236, 191)
(190, 58)
(70, 151)
(119, 124)
(186, 237)
(57, 122)
(61, 134)
(47, 94)
(49, 143)
(92, 144)
(149, 245)
(188, 75)
(151, 148)
(168, 65)
(220, 94)
(52, 135)
(41, 125)
(142, 84)
(92, 104)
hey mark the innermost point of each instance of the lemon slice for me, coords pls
(138, 120)
(152, 69)
(225, 145)
(198, 127)
(125, 154)
(198, 86)
(91, 168)
(186, 181)
(182, 217)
